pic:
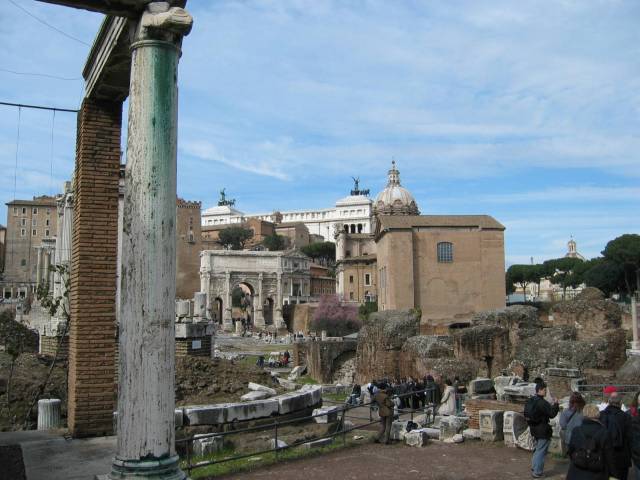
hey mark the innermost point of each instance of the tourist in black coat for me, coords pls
(635, 445)
(590, 428)
(618, 424)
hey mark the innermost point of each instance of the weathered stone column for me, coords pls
(227, 320)
(635, 345)
(49, 413)
(146, 399)
(38, 266)
(258, 318)
(278, 320)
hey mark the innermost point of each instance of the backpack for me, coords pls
(588, 457)
(530, 411)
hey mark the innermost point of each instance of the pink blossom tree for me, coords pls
(336, 318)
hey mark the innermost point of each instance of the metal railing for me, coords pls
(597, 390)
(341, 410)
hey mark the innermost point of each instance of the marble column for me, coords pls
(227, 320)
(635, 344)
(258, 318)
(146, 397)
(278, 320)
(38, 266)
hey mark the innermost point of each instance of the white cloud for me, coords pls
(265, 167)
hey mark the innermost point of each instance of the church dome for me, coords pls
(395, 199)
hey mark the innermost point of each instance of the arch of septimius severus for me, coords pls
(273, 278)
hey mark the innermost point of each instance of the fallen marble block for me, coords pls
(251, 396)
(450, 426)
(325, 415)
(323, 442)
(514, 424)
(417, 438)
(297, 372)
(228, 412)
(458, 438)
(480, 386)
(398, 430)
(207, 445)
(491, 425)
(256, 387)
(281, 444)
(504, 381)
(471, 434)
(287, 384)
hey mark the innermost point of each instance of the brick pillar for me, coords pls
(92, 332)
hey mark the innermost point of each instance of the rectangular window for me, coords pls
(46, 222)
(46, 233)
(23, 232)
(15, 210)
(24, 210)
(35, 211)
(34, 232)
(350, 295)
(445, 252)
(48, 211)
(23, 262)
(367, 279)
(350, 278)
(34, 222)
(23, 222)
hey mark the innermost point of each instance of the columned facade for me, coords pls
(273, 278)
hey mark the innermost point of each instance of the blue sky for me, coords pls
(526, 111)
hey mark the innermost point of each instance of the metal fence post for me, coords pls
(189, 446)
(276, 439)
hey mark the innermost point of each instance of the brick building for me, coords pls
(30, 223)
(3, 236)
(188, 248)
(322, 282)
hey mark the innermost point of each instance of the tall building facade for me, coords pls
(31, 229)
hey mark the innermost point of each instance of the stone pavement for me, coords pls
(50, 456)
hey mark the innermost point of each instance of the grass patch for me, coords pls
(260, 461)
(306, 380)
(336, 397)
(249, 360)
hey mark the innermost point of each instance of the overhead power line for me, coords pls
(39, 75)
(39, 107)
(48, 24)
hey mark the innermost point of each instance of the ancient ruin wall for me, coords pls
(380, 342)
(590, 312)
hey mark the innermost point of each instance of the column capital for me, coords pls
(160, 22)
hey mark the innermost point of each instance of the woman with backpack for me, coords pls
(590, 449)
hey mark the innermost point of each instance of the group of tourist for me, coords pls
(602, 443)
(392, 396)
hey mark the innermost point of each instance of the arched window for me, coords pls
(445, 252)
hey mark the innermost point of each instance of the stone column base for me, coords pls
(161, 469)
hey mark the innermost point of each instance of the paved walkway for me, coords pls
(50, 456)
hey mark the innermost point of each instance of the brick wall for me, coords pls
(473, 408)
(184, 347)
(48, 346)
(92, 333)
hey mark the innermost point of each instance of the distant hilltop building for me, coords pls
(572, 250)
(354, 211)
